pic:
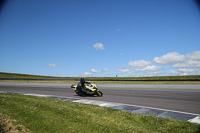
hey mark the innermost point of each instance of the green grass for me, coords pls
(106, 80)
(16, 75)
(192, 77)
(52, 115)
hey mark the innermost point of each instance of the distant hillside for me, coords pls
(160, 78)
(17, 75)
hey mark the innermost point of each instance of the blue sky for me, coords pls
(105, 38)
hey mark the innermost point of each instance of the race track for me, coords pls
(184, 98)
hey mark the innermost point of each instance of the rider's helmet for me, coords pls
(82, 81)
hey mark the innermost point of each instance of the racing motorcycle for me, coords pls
(89, 89)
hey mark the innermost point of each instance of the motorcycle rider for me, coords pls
(81, 87)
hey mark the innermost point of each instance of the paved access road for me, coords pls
(185, 98)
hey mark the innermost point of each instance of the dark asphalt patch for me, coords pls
(177, 116)
(147, 111)
(63, 98)
(127, 108)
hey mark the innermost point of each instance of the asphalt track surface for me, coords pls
(184, 98)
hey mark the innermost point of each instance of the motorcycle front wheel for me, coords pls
(99, 93)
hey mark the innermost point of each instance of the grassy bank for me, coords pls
(107, 82)
(36, 114)
(195, 79)
(166, 78)
(17, 75)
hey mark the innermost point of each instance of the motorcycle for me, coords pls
(89, 89)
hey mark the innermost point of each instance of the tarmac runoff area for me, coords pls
(162, 113)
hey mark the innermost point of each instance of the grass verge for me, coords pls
(107, 82)
(192, 79)
(38, 114)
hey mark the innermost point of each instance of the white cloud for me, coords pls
(149, 68)
(98, 46)
(173, 73)
(183, 74)
(85, 74)
(124, 70)
(95, 71)
(169, 58)
(186, 70)
(191, 66)
(139, 63)
(52, 65)
(133, 75)
(193, 63)
(106, 70)
(189, 63)
(180, 65)
(194, 55)
(152, 74)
